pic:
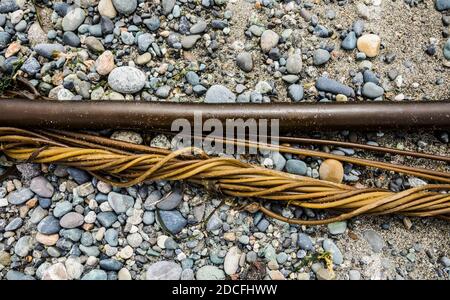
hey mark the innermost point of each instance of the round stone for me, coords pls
(128, 80)
(320, 57)
(269, 40)
(331, 170)
(369, 44)
(71, 220)
(126, 7)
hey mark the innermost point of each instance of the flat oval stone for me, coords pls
(20, 196)
(173, 220)
(71, 220)
(128, 80)
(40, 186)
(49, 225)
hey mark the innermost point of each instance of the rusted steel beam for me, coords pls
(75, 115)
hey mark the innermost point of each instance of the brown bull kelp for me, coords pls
(122, 164)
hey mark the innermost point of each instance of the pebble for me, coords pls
(94, 45)
(16, 275)
(445, 261)
(369, 44)
(20, 196)
(74, 268)
(325, 274)
(214, 223)
(15, 224)
(71, 220)
(7, 6)
(73, 19)
(447, 50)
(442, 5)
(304, 242)
(336, 254)
(269, 40)
(164, 270)
(329, 85)
(320, 57)
(294, 63)
(107, 9)
(127, 80)
(120, 203)
(349, 43)
(126, 7)
(78, 175)
(48, 50)
(244, 61)
(95, 274)
(371, 90)
(148, 218)
(48, 240)
(173, 220)
(198, 27)
(124, 274)
(189, 41)
(295, 92)
(295, 166)
(23, 246)
(337, 227)
(219, 94)
(31, 66)
(71, 39)
(171, 200)
(163, 92)
(210, 273)
(5, 39)
(110, 264)
(375, 240)
(56, 272)
(331, 170)
(231, 262)
(354, 275)
(40, 186)
(105, 63)
(106, 219)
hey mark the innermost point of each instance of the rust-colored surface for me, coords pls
(144, 115)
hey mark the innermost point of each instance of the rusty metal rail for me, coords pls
(75, 115)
